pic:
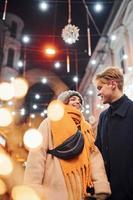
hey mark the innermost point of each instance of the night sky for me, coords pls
(46, 27)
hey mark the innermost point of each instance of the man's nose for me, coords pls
(99, 94)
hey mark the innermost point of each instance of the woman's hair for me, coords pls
(111, 73)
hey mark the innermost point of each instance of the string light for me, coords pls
(43, 6)
(37, 96)
(75, 79)
(44, 80)
(98, 7)
(57, 65)
(34, 106)
(93, 62)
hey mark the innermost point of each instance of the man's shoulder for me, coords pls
(103, 113)
(129, 102)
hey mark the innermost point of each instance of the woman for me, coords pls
(68, 166)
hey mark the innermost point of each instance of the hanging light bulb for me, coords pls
(5, 8)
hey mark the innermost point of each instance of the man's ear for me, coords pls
(113, 84)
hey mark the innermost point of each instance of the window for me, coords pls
(10, 58)
(13, 29)
(122, 61)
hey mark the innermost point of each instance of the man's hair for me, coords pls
(111, 73)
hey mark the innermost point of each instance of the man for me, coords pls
(115, 133)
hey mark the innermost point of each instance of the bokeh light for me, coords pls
(24, 193)
(32, 139)
(98, 7)
(43, 6)
(6, 165)
(5, 117)
(20, 87)
(26, 39)
(55, 110)
(57, 65)
(92, 119)
(49, 51)
(3, 188)
(6, 91)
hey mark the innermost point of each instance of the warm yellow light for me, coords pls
(50, 51)
(20, 87)
(55, 110)
(6, 165)
(6, 91)
(3, 188)
(32, 139)
(24, 193)
(5, 117)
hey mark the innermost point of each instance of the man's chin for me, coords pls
(104, 102)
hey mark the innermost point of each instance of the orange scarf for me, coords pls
(77, 169)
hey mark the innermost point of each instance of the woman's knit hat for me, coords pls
(64, 96)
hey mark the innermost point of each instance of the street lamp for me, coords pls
(52, 51)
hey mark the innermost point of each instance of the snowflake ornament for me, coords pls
(70, 33)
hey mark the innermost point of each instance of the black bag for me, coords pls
(70, 148)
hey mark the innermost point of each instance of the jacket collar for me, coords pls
(120, 107)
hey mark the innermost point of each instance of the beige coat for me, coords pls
(43, 171)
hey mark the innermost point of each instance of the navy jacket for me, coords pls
(115, 141)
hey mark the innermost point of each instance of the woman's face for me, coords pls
(75, 101)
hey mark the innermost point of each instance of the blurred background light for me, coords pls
(55, 110)
(5, 117)
(32, 139)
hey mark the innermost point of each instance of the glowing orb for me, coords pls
(6, 91)
(55, 110)
(92, 119)
(6, 166)
(20, 87)
(50, 51)
(32, 138)
(5, 117)
(24, 193)
(3, 188)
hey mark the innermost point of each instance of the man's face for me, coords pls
(105, 91)
(75, 101)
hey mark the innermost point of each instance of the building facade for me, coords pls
(10, 44)
(115, 48)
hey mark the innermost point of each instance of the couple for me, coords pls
(69, 166)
